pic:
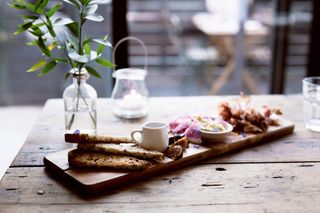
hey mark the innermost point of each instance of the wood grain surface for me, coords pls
(252, 187)
(281, 176)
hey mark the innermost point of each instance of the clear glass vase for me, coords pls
(80, 104)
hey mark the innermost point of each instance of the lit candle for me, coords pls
(132, 101)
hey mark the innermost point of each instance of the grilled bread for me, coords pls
(93, 139)
(123, 149)
(89, 159)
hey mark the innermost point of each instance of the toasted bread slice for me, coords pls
(93, 139)
(123, 149)
(89, 159)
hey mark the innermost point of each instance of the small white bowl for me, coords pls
(211, 136)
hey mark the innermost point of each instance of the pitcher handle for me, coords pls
(135, 39)
(133, 133)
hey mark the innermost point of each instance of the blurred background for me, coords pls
(196, 47)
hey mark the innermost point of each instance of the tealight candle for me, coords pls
(132, 101)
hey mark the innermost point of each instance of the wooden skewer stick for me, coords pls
(86, 138)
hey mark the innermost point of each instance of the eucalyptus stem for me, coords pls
(80, 36)
(84, 100)
(79, 94)
(76, 50)
(80, 65)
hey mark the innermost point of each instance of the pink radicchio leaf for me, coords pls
(193, 133)
(180, 125)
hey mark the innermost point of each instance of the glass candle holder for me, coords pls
(130, 94)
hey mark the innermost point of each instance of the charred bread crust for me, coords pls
(89, 159)
(123, 149)
(92, 139)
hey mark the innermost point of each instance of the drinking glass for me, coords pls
(311, 103)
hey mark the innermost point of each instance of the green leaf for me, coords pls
(62, 21)
(35, 29)
(60, 60)
(44, 4)
(73, 41)
(79, 58)
(37, 5)
(37, 25)
(31, 7)
(74, 3)
(103, 42)
(48, 68)
(73, 55)
(17, 6)
(40, 6)
(49, 21)
(18, 1)
(23, 28)
(90, 9)
(37, 66)
(21, 4)
(100, 2)
(93, 72)
(93, 55)
(50, 27)
(86, 47)
(32, 43)
(31, 17)
(94, 17)
(101, 46)
(74, 28)
(52, 46)
(43, 47)
(105, 63)
(100, 49)
(67, 76)
(51, 31)
(85, 2)
(54, 9)
(37, 32)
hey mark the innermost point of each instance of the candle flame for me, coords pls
(133, 92)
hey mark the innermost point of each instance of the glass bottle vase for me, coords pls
(80, 105)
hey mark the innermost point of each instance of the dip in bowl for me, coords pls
(214, 130)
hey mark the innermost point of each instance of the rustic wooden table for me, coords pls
(279, 176)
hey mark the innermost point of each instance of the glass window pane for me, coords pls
(205, 47)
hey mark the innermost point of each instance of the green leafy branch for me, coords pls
(76, 50)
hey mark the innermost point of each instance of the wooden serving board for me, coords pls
(93, 181)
